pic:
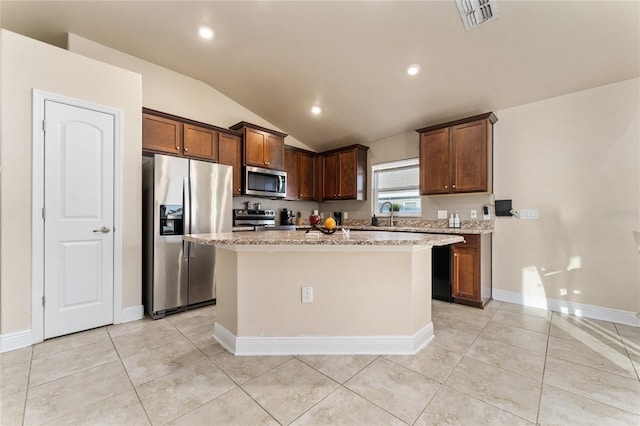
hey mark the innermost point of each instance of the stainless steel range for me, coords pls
(261, 220)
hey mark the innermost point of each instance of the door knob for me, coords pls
(104, 230)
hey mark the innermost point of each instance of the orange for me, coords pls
(330, 223)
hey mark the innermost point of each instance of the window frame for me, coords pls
(390, 165)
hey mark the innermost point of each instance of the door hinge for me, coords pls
(44, 125)
(44, 214)
(43, 301)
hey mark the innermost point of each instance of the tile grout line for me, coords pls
(26, 392)
(626, 349)
(544, 369)
(144, 409)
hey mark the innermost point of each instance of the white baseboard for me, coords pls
(324, 345)
(573, 308)
(133, 313)
(17, 340)
(22, 339)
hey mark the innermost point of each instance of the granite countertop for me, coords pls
(422, 229)
(356, 237)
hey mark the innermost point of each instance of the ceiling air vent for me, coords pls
(477, 12)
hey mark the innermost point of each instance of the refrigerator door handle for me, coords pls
(186, 200)
(192, 213)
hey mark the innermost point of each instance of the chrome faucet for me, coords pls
(392, 221)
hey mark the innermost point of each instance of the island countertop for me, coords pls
(355, 238)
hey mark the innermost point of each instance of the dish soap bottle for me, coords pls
(456, 221)
(451, 221)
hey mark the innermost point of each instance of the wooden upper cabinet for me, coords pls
(254, 155)
(455, 157)
(330, 176)
(301, 175)
(230, 153)
(469, 157)
(262, 147)
(274, 152)
(291, 167)
(345, 173)
(434, 162)
(200, 142)
(161, 134)
(306, 175)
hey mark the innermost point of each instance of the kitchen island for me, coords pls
(368, 292)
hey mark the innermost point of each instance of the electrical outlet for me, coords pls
(528, 213)
(442, 214)
(474, 214)
(486, 213)
(345, 215)
(307, 294)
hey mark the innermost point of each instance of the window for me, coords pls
(398, 183)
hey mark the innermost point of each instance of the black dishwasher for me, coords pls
(441, 273)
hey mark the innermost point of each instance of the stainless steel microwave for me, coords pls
(265, 182)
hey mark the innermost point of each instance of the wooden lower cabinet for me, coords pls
(471, 270)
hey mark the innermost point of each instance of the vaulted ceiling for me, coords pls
(278, 58)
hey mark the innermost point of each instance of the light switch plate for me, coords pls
(442, 214)
(474, 214)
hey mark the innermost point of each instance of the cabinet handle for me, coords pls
(186, 150)
(178, 148)
(453, 185)
(446, 187)
(455, 254)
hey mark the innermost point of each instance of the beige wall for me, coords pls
(576, 158)
(26, 65)
(168, 91)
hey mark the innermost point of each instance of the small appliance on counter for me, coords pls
(286, 217)
(338, 217)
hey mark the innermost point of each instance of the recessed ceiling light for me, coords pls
(413, 69)
(316, 110)
(206, 33)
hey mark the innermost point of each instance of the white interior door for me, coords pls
(78, 230)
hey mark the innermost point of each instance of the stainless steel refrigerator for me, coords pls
(181, 196)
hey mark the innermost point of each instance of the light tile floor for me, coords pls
(505, 365)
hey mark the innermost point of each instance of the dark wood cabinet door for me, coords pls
(274, 152)
(200, 142)
(230, 153)
(434, 162)
(161, 134)
(330, 172)
(469, 157)
(319, 178)
(254, 141)
(465, 280)
(306, 176)
(466, 268)
(347, 175)
(291, 167)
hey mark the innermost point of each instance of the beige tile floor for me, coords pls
(505, 365)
